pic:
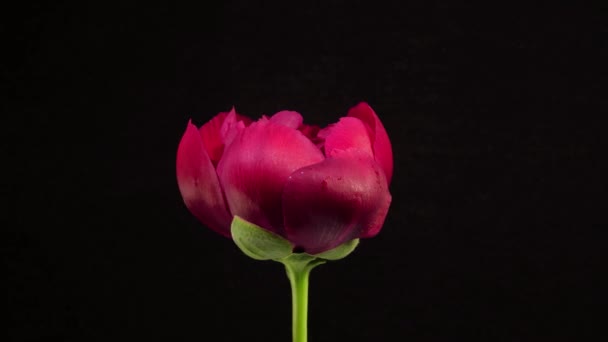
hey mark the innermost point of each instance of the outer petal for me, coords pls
(287, 118)
(255, 167)
(380, 141)
(199, 184)
(339, 199)
(346, 134)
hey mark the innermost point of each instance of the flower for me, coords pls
(317, 188)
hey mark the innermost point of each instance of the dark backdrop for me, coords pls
(495, 233)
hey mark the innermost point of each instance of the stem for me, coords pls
(298, 268)
(299, 304)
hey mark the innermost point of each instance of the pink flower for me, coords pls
(318, 188)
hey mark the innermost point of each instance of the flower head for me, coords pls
(318, 188)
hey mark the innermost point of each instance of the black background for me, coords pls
(496, 232)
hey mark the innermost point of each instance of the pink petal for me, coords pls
(212, 140)
(310, 131)
(255, 167)
(346, 134)
(199, 184)
(220, 130)
(287, 118)
(380, 141)
(342, 198)
(232, 126)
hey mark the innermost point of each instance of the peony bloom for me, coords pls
(317, 188)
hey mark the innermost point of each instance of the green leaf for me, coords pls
(339, 252)
(257, 242)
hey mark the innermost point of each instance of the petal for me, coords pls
(212, 140)
(346, 134)
(380, 141)
(340, 199)
(219, 131)
(287, 118)
(310, 131)
(232, 126)
(199, 184)
(256, 165)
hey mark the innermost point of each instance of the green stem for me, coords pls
(299, 304)
(298, 267)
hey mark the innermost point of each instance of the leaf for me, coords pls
(257, 242)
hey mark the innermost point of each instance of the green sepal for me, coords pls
(300, 262)
(339, 252)
(257, 242)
